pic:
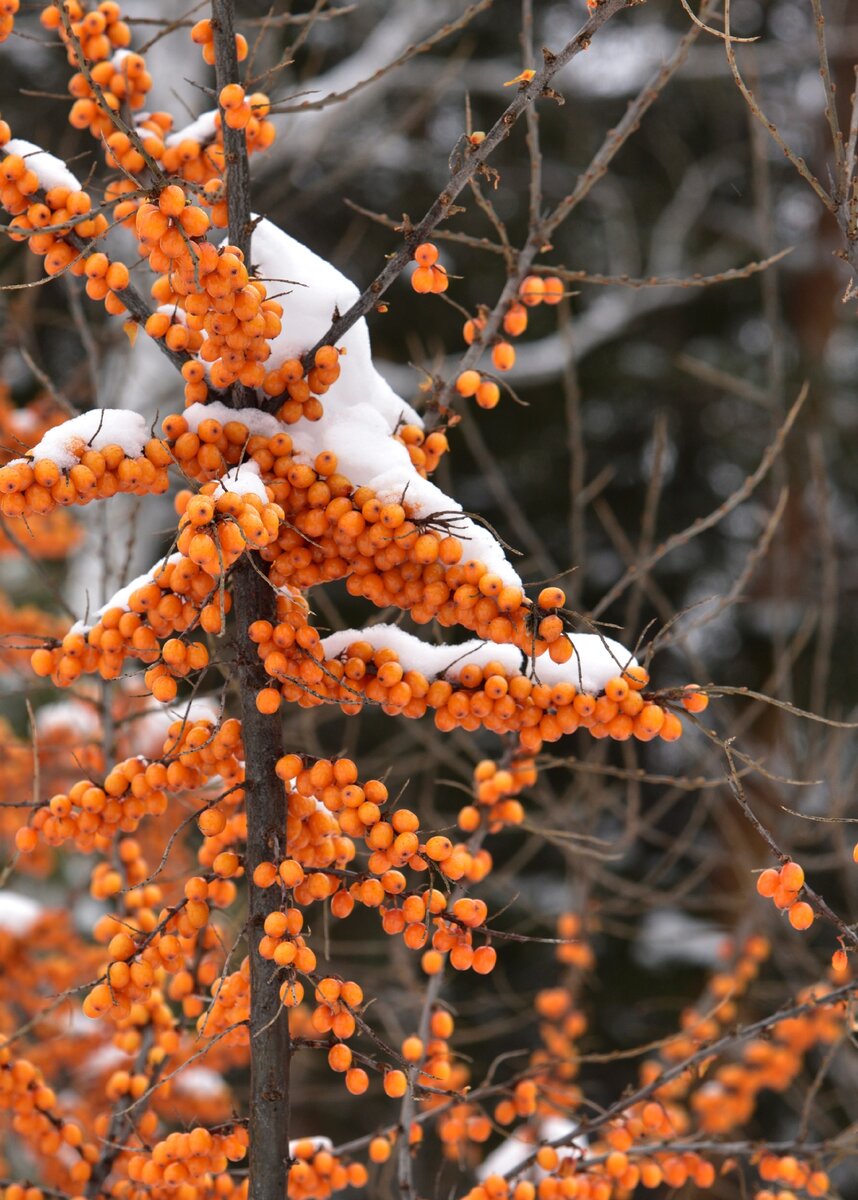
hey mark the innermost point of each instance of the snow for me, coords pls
(257, 422)
(669, 935)
(510, 1154)
(92, 430)
(105, 1058)
(370, 457)
(51, 172)
(120, 599)
(150, 730)
(312, 292)
(203, 130)
(200, 1081)
(18, 914)
(243, 480)
(417, 655)
(76, 715)
(318, 1142)
(595, 661)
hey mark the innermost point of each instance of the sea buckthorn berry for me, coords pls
(488, 394)
(694, 701)
(395, 1083)
(792, 877)
(553, 290)
(768, 882)
(532, 290)
(467, 383)
(800, 915)
(357, 1081)
(265, 874)
(426, 254)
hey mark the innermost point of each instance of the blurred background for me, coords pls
(644, 409)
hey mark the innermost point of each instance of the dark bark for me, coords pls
(270, 1049)
(253, 599)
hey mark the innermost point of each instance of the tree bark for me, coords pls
(253, 600)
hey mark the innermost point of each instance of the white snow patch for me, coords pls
(105, 1058)
(510, 1154)
(668, 935)
(203, 130)
(258, 422)
(319, 1143)
(18, 914)
(594, 661)
(92, 430)
(120, 599)
(417, 655)
(200, 1081)
(312, 291)
(367, 455)
(76, 715)
(243, 480)
(51, 172)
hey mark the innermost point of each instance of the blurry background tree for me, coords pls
(708, 285)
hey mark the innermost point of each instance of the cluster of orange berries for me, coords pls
(115, 82)
(215, 530)
(99, 32)
(283, 943)
(494, 789)
(482, 696)
(203, 35)
(91, 814)
(303, 389)
(424, 450)
(793, 1173)
(429, 276)
(206, 452)
(179, 1160)
(534, 290)
(239, 108)
(225, 316)
(569, 1177)
(46, 221)
(179, 596)
(336, 1001)
(727, 1099)
(202, 162)
(783, 887)
(40, 486)
(316, 1173)
(24, 1094)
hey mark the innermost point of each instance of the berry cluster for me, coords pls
(783, 887)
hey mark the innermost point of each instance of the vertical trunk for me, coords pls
(253, 599)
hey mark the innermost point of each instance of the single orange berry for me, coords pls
(426, 254)
(800, 915)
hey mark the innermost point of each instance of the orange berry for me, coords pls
(484, 960)
(468, 383)
(426, 254)
(800, 915)
(792, 877)
(488, 394)
(357, 1081)
(768, 882)
(395, 1083)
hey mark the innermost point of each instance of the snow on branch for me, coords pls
(594, 661)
